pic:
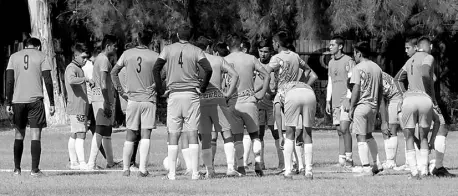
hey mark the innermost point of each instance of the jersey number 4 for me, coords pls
(180, 60)
(26, 62)
(139, 68)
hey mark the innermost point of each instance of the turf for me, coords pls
(326, 180)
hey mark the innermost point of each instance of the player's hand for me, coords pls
(107, 109)
(385, 129)
(52, 110)
(281, 140)
(124, 95)
(328, 108)
(9, 110)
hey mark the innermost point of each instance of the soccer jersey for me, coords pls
(287, 63)
(245, 65)
(87, 69)
(182, 69)
(338, 71)
(102, 64)
(214, 94)
(389, 89)
(281, 94)
(27, 65)
(123, 78)
(76, 90)
(139, 63)
(418, 80)
(368, 75)
(266, 102)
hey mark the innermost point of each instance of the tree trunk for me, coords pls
(41, 29)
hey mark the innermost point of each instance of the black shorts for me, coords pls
(29, 113)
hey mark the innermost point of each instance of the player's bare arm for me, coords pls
(308, 72)
(278, 120)
(234, 78)
(384, 116)
(157, 75)
(9, 90)
(266, 79)
(49, 89)
(207, 73)
(400, 80)
(115, 79)
(328, 95)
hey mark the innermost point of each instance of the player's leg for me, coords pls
(440, 145)
(128, 149)
(214, 144)
(293, 109)
(106, 131)
(147, 123)
(308, 119)
(336, 114)
(175, 127)
(299, 148)
(37, 120)
(237, 130)
(205, 130)
(71, 148)
(76, 142)
(262, 114)
(133, 164)
(425, 115)
(20, 119)
(92, 127)
(276, 134)
(360, 128)
(391, 141)
(191, 109)
(224, 125)
(96, 137)
(247, 146)
(250, 118)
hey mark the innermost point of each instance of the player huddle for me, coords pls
(212, 88)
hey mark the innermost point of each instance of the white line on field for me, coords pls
(103, 171)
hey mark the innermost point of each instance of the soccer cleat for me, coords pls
(389, 165)
(414, 177)
(402, 168)
(259, 173)
(37, 174)
(141, 174)
(376, 170)
(167, 177)
(302, 171)
(365, 171)
(349, 163)
(241, 171)
(17, 172)
(116, 165)
(232, 173)
(188, 172)
(258, 169)
(133, 167)
(263, 166)
(197, 176)
(83, 166)
(126, 173)
(210, 175)
(442, 172)
(288, 176)
(308, 176)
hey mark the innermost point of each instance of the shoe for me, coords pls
(73, 166)
(17, 172)
(259, 173)
(133, 167)
(188, 172)
(442, 172)
(389, 165)
(197, 176)
(210, 175)
(308, 176)
(263, 166)
(141, 174)
(302, 171)
(402, 168)
(376, 170)
(288, 176)
(349, 163)
(83, 166)
(366, 171)
(116, 165)
(281, 166)
(166, 177)
(232, 173)
(93, 167)
(414, 177)
(37, 174)
(241, 170)
(126, 173)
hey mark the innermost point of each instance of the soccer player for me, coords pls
(76, 106)
(24, 99)
(102, 102)
(297, 99)
(390, 122)
(265, 106)
(141, 109)
(366, 79)
(214, 111)
(243, 104)
(183, 105)
(337, 100)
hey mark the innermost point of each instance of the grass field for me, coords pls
(326, 182)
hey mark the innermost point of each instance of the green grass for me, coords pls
(55, 156)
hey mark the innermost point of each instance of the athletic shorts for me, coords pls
(364, 119)
(283, 127)
(183, 110)
(33, 114)
(244, 114)
(216, 116)
(437, 116)
(266, 116)
(338, 115)
(100, 117)
(123, 103)
(300, 102)
(140, 115)
(78, 123)
(393, 111)
(417, 108)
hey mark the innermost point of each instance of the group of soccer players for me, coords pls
(212, 88)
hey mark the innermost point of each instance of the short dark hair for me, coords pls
(234, 41)
(184, 32)
(79, 47)
(246, 44)
(145, 37)
(32, 41)
(339, 40)
(203, 42)
(221, 48)
(412, 41)
(424, 39)
(108, 40)
(364, 48)
(265, 43)
(282, 38)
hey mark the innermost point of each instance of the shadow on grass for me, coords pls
(80, 173)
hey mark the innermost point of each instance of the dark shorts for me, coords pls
(29, 113)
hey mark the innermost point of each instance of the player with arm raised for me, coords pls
(25, 73)
(183, 105)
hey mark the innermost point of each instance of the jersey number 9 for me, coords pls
(26, 62)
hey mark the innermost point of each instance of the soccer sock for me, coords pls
(262, 152)
(417, 153)
(246, 149)
(126, 154)
(423, 161)
(72, 151)
(172, 154)
(35, 150)
(187, 158)
(257, 152)
(106, 143)
(144, 146)
(373, 148)
(281, 158)
(412, 160)
(207, 158)
(405, 152)
(300, 157)
(288, 150)
(348, 156)
(194, 156)
(134, 153)
(238, 145)
(308, 157)
(96, 143)
(229, 151)
(391, 148)
(342, 159)
(18, 149)
(213, 144)
(439, 145)
(79, 147)
(363, 151)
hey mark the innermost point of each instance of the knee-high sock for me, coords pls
(373, 148)
(423, 161)
(187, 158)
(257, 153)
(229, 151)
(18, 150)
(127, 154)
(363, 151)
(207, 159)
(238, 145)
(412, 160)
(246, 149)
(35, 150)
(96, 142)
(288, 153)
(262, 152)
(106, 142)
(194, 155)
(172, 154)
(391, 147)
(214, 148)
(308, 157)
(300, 156)
(281, 158)
(72, 151)
(79, 147)
(405, 152)
(144, 146)
(440, 145)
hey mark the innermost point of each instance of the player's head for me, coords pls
(33, 42)
(425, 45)
(80, 54)
(280, 40)
(411, 46)
(235, 43)
(361, 51)
(221, 49)
(336, 45)
(144, 37)
(204, 44)
(184, 32)
(246, 46)
(109, 44)
(265, 50)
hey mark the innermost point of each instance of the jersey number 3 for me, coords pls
(26, 62)
(139, 68)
